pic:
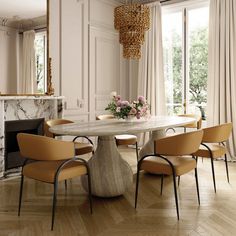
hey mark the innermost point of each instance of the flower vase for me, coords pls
(130, 118)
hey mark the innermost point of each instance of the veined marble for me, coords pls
(115, 127)
(26, 107)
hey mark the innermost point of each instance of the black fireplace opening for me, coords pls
(13, 158)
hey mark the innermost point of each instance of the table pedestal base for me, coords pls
(148, 148)
(110, 175)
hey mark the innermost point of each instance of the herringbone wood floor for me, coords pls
(155, 215)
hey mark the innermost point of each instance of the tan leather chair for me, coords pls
(80, 148)
(195, 125)
(123, 139)
(169, 159)
(53, 161)
(213, 145)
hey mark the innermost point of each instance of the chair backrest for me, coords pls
(196, 124)
(105, 117)
(217, 134)
(50, 123)
(179, 145)
(43, 148)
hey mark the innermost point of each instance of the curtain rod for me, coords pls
(38, 29)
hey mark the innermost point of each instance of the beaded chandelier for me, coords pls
(132, 20)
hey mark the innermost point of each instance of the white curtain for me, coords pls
(151, 70)
(151, 82)
(222, 67)
(28, 83)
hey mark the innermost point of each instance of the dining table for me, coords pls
(110, 174)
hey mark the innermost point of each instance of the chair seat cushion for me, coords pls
(46, 170)
(217, 151)
(156, 165)
(83, 148)
(125, 139)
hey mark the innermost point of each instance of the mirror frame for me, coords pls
(50, 89)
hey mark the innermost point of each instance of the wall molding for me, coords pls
(112, 3)
(102, 28)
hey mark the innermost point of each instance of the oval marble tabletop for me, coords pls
(114, 127)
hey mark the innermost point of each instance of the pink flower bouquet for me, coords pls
(122, 109)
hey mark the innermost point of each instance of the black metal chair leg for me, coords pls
(136, 146)
(162, 180)
(54, 203)
(226, 166)
(20, 196)
(176, 196)
(213, 173)
(178, 180)
(66, 185)
(90, 193)
(197, 186)
(137, 184)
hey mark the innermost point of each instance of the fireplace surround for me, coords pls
(14, 112)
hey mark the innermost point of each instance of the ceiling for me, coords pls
(22, 9)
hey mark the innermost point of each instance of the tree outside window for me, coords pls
(193, 87)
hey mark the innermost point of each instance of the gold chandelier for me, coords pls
(132, 20)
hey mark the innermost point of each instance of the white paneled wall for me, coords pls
(54, 43)
(104, 69)
(74, 57)
(87, 62)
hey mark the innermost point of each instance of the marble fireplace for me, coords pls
(23, 108)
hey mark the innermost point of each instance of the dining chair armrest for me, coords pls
(170, 129)
(154, 155)
(64, 163)
(90, 141)
(223, 143)
(207, 147)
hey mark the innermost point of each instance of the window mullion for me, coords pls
(184, 61)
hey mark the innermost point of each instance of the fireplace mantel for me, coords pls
(26, 107)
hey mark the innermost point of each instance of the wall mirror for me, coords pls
(25, 67)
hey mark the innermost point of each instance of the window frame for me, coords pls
(185, 7)
(43, 33)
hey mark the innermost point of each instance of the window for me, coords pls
(185, 43)
(41, 61)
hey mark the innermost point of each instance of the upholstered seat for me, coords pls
(71, 170)
(126, 139)
(156, 165)
(83, 148)
(216, 149)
